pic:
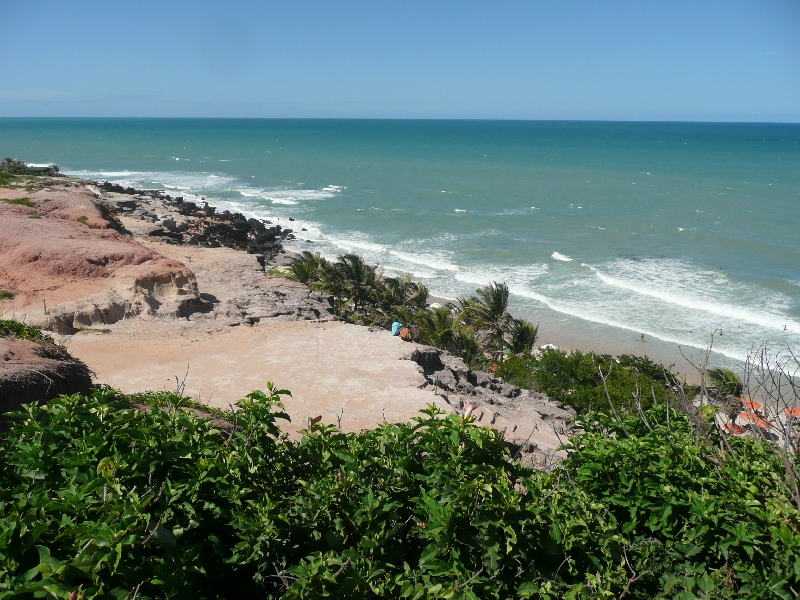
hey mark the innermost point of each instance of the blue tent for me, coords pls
(396, 328)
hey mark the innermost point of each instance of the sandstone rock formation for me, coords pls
(69, 267)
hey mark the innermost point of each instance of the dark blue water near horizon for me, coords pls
(604, 231)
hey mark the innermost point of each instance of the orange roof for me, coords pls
(794, 411)
(734, 429)
(755, 419)
(751, 404)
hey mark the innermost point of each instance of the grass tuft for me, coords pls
(22, 331)
(6, 295)
(34, 217)
(93, 330)
(21, 202)
(82, 219)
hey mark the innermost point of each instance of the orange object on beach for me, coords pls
(405, 334)
(734, 429)
(756, 420)
(794, 411)
(751, 404)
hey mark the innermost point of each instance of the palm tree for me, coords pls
(725, 388)
(465, 345)
(523, 336)
(361, 281)
(488, 313)
(723, 384)
(401, 291)
(305, 268)
(332, 281)
(436, 326)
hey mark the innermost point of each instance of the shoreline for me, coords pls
(156, 215)
(564, 329)
(157, 314)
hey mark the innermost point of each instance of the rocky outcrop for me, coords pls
(167, 292)
(32, 372)
(67, 263)
(190, 223)
(532, 425)
(275, 299)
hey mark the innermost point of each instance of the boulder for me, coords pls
(32, 372)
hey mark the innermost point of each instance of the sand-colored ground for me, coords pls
(329, 367)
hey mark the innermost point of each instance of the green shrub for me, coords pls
(22, 331)
(160, 504)
(519, 371)
(573, 378)
(34, 217)
(82, 219)
(21, 202)
(7, 178)
(6, 295)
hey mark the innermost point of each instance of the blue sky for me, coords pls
(653, 60)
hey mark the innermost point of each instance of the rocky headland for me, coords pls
(142, 286)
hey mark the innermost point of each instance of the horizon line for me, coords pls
(518, 120)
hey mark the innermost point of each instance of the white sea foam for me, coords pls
(200, 183)
(286, 196)
(526, 275)
(561, 257)
(460, 210)
(101, 174)
(594, 317)
(208, 184)
(352, 244)
(757, 317)
(433, 261)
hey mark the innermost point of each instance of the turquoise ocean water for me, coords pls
(603, 231)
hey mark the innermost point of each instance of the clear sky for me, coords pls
(731, 60)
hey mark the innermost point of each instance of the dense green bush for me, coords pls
(7, 178)
(97, 497)
(574, 379)
(21, 202)
(26, 332)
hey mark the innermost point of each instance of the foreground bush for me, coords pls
(101, 498)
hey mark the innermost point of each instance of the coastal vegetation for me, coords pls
(99, 496)
(13, 166)
(588, 381)
(478, 329)
(20, 202)
(6, 295)
(10, 327)
(7, 178)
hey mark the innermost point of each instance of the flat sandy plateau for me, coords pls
(332, 369)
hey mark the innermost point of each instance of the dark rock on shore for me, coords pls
(202, 225)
